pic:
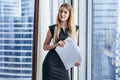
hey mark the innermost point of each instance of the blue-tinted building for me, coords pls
(116, 52)
(104, 31)
(10, 8)
(16, 38)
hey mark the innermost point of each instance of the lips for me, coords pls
(62, 17)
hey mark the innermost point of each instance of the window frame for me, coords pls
(35, 40)
(89, 39)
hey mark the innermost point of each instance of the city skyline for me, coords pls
(16, 38)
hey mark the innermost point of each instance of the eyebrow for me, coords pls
(62, 10)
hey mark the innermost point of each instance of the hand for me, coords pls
(77, 64)
(113, 63)
(61, 43)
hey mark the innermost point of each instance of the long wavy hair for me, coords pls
(70, 23)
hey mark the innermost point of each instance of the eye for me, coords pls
(65, 12)
(61, 11)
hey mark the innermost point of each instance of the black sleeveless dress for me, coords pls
(53, 67)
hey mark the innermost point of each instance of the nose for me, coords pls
(63, 13)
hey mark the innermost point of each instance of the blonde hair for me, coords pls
(70, 23)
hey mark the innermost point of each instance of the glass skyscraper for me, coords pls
(16, 38)
(10, 8)
(105, 18)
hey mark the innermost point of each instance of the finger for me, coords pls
(62, 45)
(64, 42)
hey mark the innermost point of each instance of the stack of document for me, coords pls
(69, 54)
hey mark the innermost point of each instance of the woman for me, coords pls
(53, 67)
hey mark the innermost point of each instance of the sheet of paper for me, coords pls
(70, 53)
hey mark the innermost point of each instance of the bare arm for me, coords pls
(46, 45)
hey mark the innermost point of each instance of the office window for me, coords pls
(105, 40)
(16, 39)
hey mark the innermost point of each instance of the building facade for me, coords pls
(16, 38)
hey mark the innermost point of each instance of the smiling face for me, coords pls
(63, 14)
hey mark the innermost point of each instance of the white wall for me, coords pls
(44, 22)
(82, 35)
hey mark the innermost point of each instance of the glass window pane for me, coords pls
(16, 39)
(106, 40)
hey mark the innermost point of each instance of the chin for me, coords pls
(62, 20)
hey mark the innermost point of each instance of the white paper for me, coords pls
(69, 54)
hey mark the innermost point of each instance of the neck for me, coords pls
(64, 24)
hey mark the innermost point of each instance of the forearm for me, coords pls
(48, 47)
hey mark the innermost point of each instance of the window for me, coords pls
(104, 40)
(16, 39)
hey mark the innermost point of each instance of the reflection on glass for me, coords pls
(105, 40)
(16, 37)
